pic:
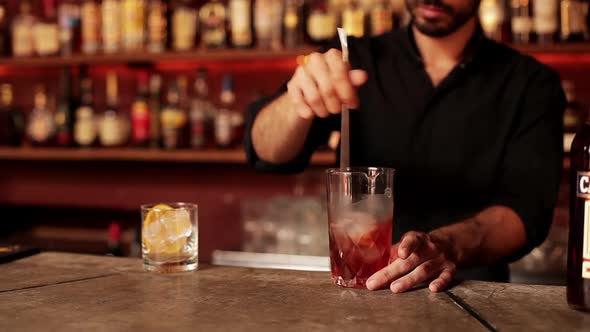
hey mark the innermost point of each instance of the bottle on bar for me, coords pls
(224, 117)
(276, 39)
(213, 16)
(321, 23)
(157, 26)
(184, 25)
(69, 26)
(578, 262)
(46, 31)
(41, 125)
(492, 16)
(85, 127)
(155, 107)
(545, 20)
(240, 18)
(293, 24)
(113, 128)
(263, 22)
(133, 24)
(111, 26)
(140, 114)
(201, 111)
(521, 21)
(91, 28)
(353, 19)
(173, 119)
(574, 25)
(22, 30)
(381, 17)
(4, 29)
(64, 120)
(12, 120)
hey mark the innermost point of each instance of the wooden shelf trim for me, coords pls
(146, 57)
(233, 156)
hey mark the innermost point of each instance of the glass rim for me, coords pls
(173, 205)
(358, 170)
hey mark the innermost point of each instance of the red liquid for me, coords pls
(358, 252)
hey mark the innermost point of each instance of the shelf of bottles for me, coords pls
(181, 116)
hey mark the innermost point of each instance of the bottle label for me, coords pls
(321, 26)
(140, 122)
(583, 191)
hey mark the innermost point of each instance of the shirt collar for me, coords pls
(472, 50)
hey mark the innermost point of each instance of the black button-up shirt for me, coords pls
(489, 134)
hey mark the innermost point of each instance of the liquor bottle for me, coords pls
(240, 18)
(90, 12)
(69, 25)
(111, 26)
(578, 262)
(492, 16)
(12, 121)
(293, 24)
(155, 107)
(184, 25)
(321, 23)
(140, 114)
(85, 128)
(114, 240)
(22, 31)
(41, 125)
(157, 26)
(545, 20)
(113, 128)
(381, 17)
(521, 22)
(173, 119)
(133, 24)
(213, 16)
(574, 115)
(223, 119)
(201, 111)
(64, 120)
(574, 26)
(276, 38)
(4, 29)
(353, 19)
(46, 31)
(263, 22)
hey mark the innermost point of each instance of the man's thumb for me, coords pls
(357, 77)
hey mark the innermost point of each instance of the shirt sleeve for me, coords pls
(532, 166)
(318, 135)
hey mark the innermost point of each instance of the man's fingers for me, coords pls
(409, 244)
(422, 273)
(393, 271)
(444, 279)
(339, 74)
(296, 96)
(310, 92)
(318, 69)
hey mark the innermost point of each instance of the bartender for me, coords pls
(473, 128)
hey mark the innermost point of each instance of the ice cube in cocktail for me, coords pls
(359, 246)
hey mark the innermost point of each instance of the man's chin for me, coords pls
(433, 30)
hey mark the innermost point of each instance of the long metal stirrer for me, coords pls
(345, 124)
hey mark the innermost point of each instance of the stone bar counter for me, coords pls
(66, 292)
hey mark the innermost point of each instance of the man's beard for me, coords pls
(436, 29)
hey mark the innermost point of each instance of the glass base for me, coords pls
(359, 283)
(174, 267)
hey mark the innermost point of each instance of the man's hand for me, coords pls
(417, 259)
(323, 83)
